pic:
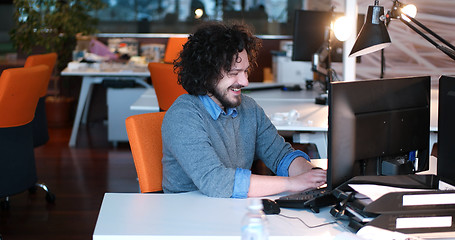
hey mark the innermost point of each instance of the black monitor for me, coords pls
(446, 129)
(378, 127)
(310, 30)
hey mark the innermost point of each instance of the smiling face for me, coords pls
(227, 92)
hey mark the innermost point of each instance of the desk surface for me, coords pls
(196, 216)
(278, 94)
(119, 70)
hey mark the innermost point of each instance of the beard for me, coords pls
(222, 96)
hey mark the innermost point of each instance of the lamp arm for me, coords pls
(430, 32)
(448, 51)
(419, 32)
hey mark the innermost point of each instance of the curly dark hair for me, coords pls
(209, 51)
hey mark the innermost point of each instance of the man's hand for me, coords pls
(303, 175)
(311, 179)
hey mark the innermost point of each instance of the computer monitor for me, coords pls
(378, 127)
(310, 30)
(446, 129)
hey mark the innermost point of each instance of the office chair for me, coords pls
(173, 47)
(164, 80)
(144, 135)
(19, 94)
(40, 130)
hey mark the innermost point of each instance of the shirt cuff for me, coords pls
(283, 166)
(241, 183)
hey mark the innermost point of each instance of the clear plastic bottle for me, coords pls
(254, 223)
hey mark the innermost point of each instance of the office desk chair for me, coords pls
(144, 135)
(173, 47)
(164, 80)
(19, 94)
(40, 130)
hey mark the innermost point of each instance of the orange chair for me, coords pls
(173, 47)
(19, 94)
(164, 80)
(144, 135)
(40, 131)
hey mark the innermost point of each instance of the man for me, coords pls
(212, 135)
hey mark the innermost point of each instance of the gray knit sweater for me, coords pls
(200, 153)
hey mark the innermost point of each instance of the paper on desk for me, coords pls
(376, 191)
(375, 233)
(285, 117)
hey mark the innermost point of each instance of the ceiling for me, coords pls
(410, 54)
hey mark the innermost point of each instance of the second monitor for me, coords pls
(378, 127)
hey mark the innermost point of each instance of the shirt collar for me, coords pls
(214, 110)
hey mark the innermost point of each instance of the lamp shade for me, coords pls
(373, 36)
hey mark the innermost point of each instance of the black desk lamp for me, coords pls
(374, 36)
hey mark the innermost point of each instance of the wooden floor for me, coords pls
(78, 177)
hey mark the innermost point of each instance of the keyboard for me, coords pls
(312, 199)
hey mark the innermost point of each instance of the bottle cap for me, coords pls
(255, 203)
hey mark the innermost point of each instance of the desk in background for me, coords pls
(92, 76)
(195, 216)
(312, 122)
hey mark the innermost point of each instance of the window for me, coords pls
(268, 17)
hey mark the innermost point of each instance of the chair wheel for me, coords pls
(50, 197)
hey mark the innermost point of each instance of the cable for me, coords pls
(304, 223)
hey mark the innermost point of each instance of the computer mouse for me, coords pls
(270, 207)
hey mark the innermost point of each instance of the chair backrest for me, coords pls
(19, 94)
(173, 47)
(164, 80)
(48, 59)
(144, 135)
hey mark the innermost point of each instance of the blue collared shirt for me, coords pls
(214, 110)
(242, 176)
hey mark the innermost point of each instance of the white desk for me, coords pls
(312, 122)
(277, 103)
(92, 76)
(196, 216)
